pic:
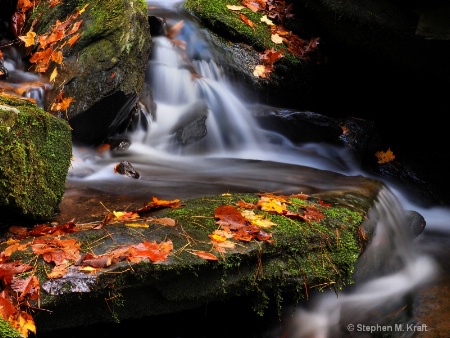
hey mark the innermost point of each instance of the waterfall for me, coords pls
(234, 154)
(190, 90)
(20, 81)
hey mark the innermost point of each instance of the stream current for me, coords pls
(237, 156)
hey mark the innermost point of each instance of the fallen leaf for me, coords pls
(53, 75)
(235, 7)
(260, 71)
(276, 38)
(206, 255)
(229, 217)
(385, 156)
(266, 20)
(28, 38)
(247, 20)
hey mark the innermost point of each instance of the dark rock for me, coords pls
(104, 70)
(298, 126)
(157, 25)
(125, 168)
(191, 127)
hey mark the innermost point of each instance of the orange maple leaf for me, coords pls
(206, 255)
(385, 156)
(62, 105)
(73, 39)
(247, 20)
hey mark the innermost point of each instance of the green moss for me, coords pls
(7, 331)
(317, 254)
(227, 23)
(35, 155)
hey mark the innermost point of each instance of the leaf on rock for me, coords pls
(23, 322)
(385, 156)
(261, 71)
(247, 20)
(235, 7)
(8, 270)
(254, 5)
(53, 75)
(276, 38)
(257, 220)
(206, 255)
(125, 216)
(217, 237)
(28, 38)
(167, 221)
(272, 204)
(26, 287)
(137, 225)
(266, 20)
(229, 217)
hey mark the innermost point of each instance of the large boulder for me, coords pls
(240, 47)
(35, 155)
(316, 243)
(103, 71)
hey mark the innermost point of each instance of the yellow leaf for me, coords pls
(271, 205)
(121, 215)
(57, 57)
(385, 156)
(23, 323)
(266, 20)
(28, 39)
(53, 75)
(235, 7)
(276, 39)
(257, 220)
(217, 238)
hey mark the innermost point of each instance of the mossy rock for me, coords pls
(239, 45)
(104, 70)
(35, 155)
(303, 254)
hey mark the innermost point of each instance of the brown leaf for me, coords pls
(229, 217)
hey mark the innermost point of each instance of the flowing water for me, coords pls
(238, 156)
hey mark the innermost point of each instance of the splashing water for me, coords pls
(20, 81)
